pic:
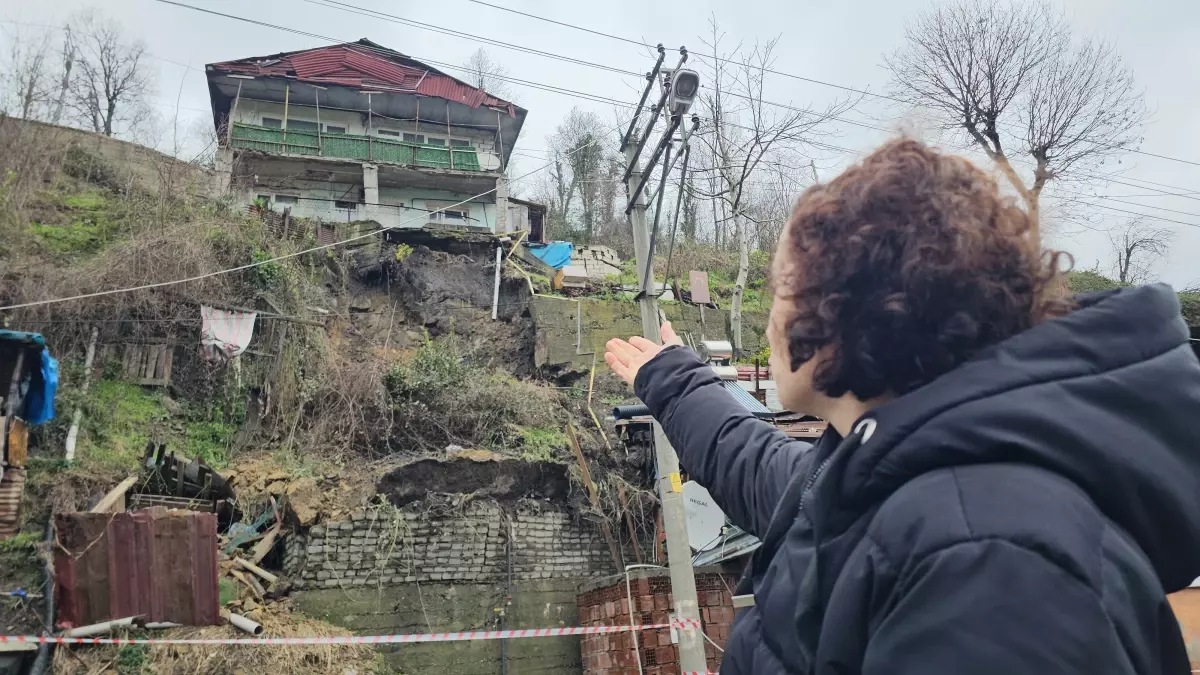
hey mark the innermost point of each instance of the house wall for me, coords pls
(317, 200)
(252, 112)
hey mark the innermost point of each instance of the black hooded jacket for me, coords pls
(1023, 513)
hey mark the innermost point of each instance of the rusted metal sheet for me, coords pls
(365, 65)
(698, 284)
(18, 442)
(154, 563)
(12, 485)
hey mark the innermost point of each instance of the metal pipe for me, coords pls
(662, 102)
(662, 145)
(245, 625)
(496, 288)
(648, 273)
(103, 627)
(73, 433)
(650, 78)
(46, 650)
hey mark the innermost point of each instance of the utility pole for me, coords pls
(679, 552)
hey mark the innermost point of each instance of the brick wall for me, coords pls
(395, 546)
(606, 603)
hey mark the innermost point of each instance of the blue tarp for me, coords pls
(556, 254)
(43, 385)
(40, 405)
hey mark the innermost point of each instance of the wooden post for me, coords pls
(586, 474)
(416, 131)
(320, 143)
(500, 146)
(232, 116)
(287, 93)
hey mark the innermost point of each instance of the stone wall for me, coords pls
(559, 326)
(385, 545)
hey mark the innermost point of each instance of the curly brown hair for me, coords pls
(907, 265)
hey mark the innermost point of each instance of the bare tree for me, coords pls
(68, 49)
(1012, 78)
(579, 168)
(111, 81)
(486, 74)
(745, 135)
(1136, 249)
(26, 76)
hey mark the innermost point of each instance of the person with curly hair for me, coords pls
(1010, 480)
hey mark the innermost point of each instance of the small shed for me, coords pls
(531, 216)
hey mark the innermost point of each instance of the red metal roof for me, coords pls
(155, 563)
(365, 65)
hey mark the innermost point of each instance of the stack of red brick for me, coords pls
(615, 653)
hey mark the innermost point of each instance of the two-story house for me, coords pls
(359, 132)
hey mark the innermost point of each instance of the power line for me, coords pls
(259, 263)
(717, 59)
(550, 88)
(1143, 215)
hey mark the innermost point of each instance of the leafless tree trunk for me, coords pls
(111, 83)
(1015, 81)
(1136, 249)
(25, 77)
(745, 132)
(579, 168)
(486, 74)
(68, 57)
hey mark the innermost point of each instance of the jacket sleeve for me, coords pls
(991, 607)
(745, 463)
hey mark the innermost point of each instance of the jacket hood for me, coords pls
(1107, 396)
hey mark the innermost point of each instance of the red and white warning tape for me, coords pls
(352, 639)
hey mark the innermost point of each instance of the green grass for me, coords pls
(92, 222)
(120, 418)
(540, 445)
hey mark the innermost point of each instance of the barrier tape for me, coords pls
(352, 639)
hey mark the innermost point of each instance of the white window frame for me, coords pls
(344, 129)
(295, 199)
(262, 121)
(390, 133)
(416, 137)
(447, 207)
(316, 127)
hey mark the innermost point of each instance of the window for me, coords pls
(345, 205)
(302, 125)
(272, 122)
(460, 143)
(434, 140)
(414, 138)
(450, 213)
(285, 200)
(387, 132)
(334, 129)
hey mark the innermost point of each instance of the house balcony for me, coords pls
(361, 148)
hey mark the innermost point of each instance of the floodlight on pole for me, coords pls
(684, 86)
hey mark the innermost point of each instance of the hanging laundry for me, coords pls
(224, 335)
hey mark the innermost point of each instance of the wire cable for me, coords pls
(259, 263)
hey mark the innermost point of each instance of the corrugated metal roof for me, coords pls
(365, 65)
(748, 402)
(155, 563)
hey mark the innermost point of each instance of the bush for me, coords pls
(441, 397)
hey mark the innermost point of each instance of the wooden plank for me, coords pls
(168, 364)
(593, 497)
(637, 550)
(698, 284)
(114, 501)
(18, 442)
(262, 548)
(151, 361)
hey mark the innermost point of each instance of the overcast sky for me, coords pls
(840, 43)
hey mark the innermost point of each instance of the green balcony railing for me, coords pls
(353, 146)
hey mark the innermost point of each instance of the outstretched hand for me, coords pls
(627, 357)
